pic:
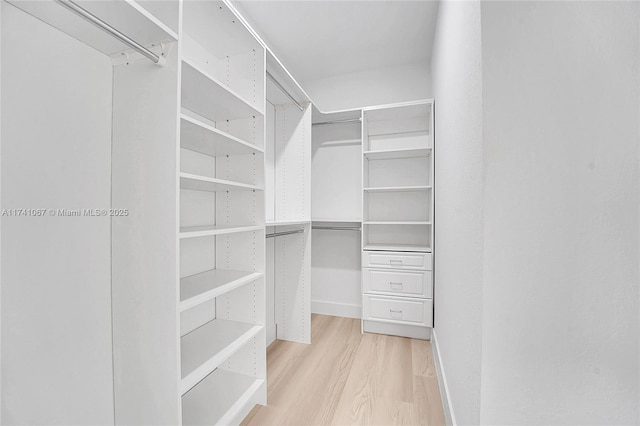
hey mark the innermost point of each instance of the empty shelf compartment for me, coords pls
(199, 288)
(208, 346)
(219, 398)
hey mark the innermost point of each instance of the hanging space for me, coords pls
(288, 212)
(337, 213)
(89, 107)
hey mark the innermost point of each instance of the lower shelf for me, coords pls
(205, 348)
(220, 399)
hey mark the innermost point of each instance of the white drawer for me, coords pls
(396, 260)
(397, 310)
(401, 283)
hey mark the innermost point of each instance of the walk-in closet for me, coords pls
(239, 212)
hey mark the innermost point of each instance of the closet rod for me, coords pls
(350, 120)
(93, 19)
(280, 234)
(279, 86)
(338, 228)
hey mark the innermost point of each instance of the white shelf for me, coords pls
(399, 222)
(390, 154)
(129, 17)
(403, 132)
(398, 188)
(199, 288)
(219, 398)
(210, 230)
(287, 222)
(206, 96)
(331, 220)
(397, 247)
(204, 183)
(200, 136)
(208, 346)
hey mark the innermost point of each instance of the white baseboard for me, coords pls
(449, 416)
(411, 331)
(336, 309)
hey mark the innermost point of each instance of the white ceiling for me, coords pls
(319, 39)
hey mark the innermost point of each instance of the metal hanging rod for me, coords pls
(337, 228)
(280, 234)
(93, 19)
(350, 120)
(279, 86)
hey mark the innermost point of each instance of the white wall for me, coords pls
(336, 273)
(457, 81)
(560, 279)
(373, 87)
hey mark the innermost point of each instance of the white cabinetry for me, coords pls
(221, 176)
(154, 311)
(397, 234)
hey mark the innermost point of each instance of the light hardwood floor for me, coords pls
(347, 378)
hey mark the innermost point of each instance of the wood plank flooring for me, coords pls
(348, 378)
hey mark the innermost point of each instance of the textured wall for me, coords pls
(560, 288)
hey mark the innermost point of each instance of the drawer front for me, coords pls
(397, 310)
(401, 283)
(396, 260)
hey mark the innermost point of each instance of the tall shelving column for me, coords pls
(288, 147)
(398, 206)
(222, 224)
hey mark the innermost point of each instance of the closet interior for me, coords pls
(229, 210)
(336, 213)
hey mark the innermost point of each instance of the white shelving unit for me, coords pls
(222, 229)
(175, 289)
(288, 189)
(398, 197)
(106, 327)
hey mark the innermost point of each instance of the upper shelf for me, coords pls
(127, 17)
(205, 95)
(389, 154)
(200, 136)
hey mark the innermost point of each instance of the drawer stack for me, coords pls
(397, 227)
(397, 290)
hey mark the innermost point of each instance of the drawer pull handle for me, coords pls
(395, 313)
(395, 284)
(395, 261)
